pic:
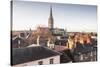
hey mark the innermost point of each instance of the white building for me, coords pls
(37, 55)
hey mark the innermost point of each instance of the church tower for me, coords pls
(50, 19)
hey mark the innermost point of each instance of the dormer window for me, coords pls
(40, 62)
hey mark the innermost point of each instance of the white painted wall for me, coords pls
(46, 61)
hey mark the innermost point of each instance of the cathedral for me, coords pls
(54, 31)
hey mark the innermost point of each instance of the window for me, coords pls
(81, 57)
(40, 62)
(91, 54)
(51, 61)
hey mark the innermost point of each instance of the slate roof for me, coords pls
(83, 49)
(26, 54)
(23, 42)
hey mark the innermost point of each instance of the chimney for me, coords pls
(19, 36)
(48, 43)
(38, 38)
(18, 43)
(25, 33)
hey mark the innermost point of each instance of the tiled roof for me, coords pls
(26, 54)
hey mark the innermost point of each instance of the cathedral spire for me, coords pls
(50, 19)
(51, 11)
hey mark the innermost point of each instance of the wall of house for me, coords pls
(45, 61)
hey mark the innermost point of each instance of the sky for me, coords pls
(72, 17)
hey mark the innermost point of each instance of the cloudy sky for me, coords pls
(72, 17)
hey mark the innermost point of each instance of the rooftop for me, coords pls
(83, 49)
(27, 54)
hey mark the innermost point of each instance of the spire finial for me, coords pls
(50, 10)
